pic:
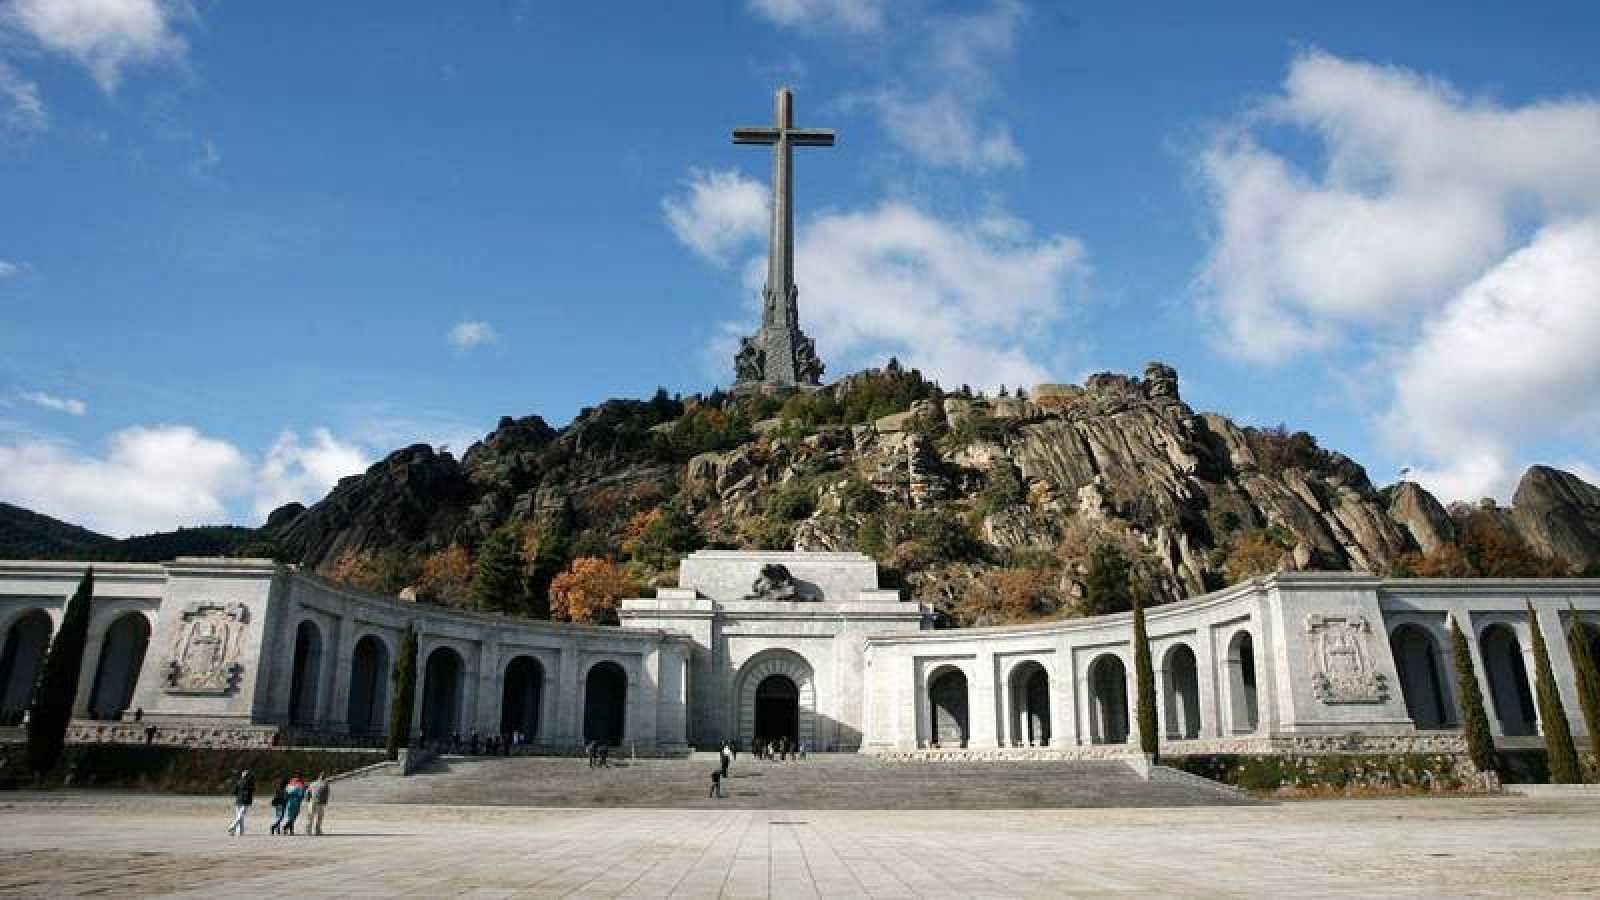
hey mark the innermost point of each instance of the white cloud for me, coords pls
(722, 211)
(1418, 192)
(851, 15)
(471, 333)
(151, 478)
(67, 405)
(21, 110)
(1509, 362)
(968, 302)
(12, 270)
(160, 477)
(942, 130)
(105, 36)
(1448, 244)
(304, 471)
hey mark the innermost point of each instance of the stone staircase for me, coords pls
(825, 781)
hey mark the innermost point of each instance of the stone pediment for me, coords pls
(736, 575)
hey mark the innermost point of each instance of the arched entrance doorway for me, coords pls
(519, 700)
(778, 710)
(369, 688)
(605, 704)
(307, 668)
(1182, 701)
(1243, 711)
(947, 705)
(1030, 705)
(441, 694)
(1508, 681)
(1416, 660)
(117, 672)
(1108, 700)
(27, 640)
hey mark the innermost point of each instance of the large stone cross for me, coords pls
(779, 354)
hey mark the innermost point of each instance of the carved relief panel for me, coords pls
(1342, 667)
(205, 655)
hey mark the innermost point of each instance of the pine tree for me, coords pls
(1588, 677)
(57, 688)
(1474, 721)
(1562, 753)
(403, 684)
(497, 584)
(1144, 684)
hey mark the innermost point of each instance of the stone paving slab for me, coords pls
(64, 844)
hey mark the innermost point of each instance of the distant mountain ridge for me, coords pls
(25, 534)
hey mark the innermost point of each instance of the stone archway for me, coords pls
(605, 704)
(948, 723)
(1182, 689)
(1030, 705)
(117, 672)
(27, 641)
(369, 688)
(307, 671)
(1507, 675)
(521, 697)
(773, 668)
(1243, 705)
(1416, 662)
(441, 694)
(1108, 700)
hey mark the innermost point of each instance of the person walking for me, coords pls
(727, 758)
(317, 796)
(716, 785)
(589, 748)
(280, 799)
(244, 794)
(294, 794)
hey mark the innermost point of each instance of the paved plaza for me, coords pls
(76, 843)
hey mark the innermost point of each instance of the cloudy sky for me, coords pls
(246, 249)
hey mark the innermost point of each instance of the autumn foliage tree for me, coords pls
(446, 575)
(1255, 553)
(1005, 596)
(589, 592)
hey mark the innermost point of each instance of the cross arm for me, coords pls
(811, 137)
(755, 135)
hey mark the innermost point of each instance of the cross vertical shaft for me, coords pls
(780, 354)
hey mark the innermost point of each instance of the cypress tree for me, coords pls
(57, 688)
(1563, 754)
(1144, 684)
(404, 693)
(1474, 721)
(1583, 665)
(497, 578)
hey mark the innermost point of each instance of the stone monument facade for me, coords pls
(780, 355)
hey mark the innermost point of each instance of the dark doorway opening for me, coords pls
(519, 701)
(778, 709)
(605, 704)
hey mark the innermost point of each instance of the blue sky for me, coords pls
(248, 248)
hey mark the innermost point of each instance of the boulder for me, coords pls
(1421, 515)
(1558, 514)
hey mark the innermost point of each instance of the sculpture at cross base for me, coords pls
(780, 354)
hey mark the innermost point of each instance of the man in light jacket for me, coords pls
(317, 795)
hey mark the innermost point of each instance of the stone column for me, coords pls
(483, 713)
(1006, 718)
(91, 663)
(981, 703)
(337, 714)
(569, 721)
(1164, 727)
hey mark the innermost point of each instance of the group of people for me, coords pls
(493, 745)
(599, 754)
(782, 748)
(291, 795)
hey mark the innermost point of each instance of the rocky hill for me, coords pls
(991, 508)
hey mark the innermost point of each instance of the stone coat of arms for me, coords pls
(1342, 669)
(205, 654)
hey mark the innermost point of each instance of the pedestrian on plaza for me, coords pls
(280, 799)
(727, 758)
(805, 747)
(317, 796)
(294, 795)
(592, 750)
(605, 754)
(138, 715)
(244, 794)
(716, 785)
